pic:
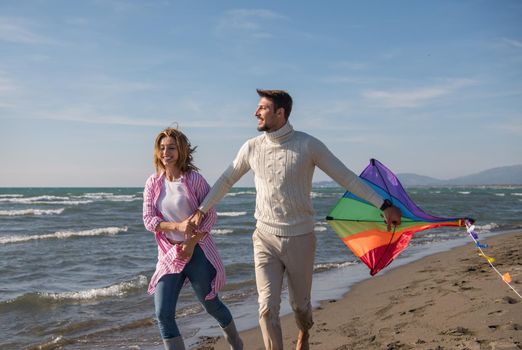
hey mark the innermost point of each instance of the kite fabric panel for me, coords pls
(361, 226)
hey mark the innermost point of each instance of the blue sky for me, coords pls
(429, 87)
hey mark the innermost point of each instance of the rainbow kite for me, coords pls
(361, 227)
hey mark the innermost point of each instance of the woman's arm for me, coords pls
(183, 226)
(151, 219)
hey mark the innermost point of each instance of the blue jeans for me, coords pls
(200, 273)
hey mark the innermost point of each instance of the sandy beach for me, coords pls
(450, 300)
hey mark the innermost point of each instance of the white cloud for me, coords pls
(18, 31)
(413, 97)
(6, 85)
(88, 115)
(409, 98)
(106, 86)
(252, 22)
(350, 65)
(510, 127)
(341, 79)
(513, 42)
(8, 89)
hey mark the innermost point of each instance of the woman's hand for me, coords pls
(197, 217)
(186, 226)
(186, 250)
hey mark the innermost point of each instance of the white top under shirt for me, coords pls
(174, 206)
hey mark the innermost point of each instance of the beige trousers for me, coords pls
(274, 256)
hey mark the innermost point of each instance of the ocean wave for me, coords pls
(318, 228)
(464, 192)
(107, 196)
(32, 211)
(63, 235)
(500, 194)
(241, 193)
(25, 200)
(11, 195)
(232, 213)
(335, 265)
(189, 310)
(71, 200)
(223, 231)
(325, 194)
(486, 228)
(116, 290)
(45, 200)
(45, 299)
(516, 194)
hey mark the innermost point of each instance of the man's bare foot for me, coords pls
(302, 341)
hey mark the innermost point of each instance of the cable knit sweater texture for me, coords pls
(283, 163)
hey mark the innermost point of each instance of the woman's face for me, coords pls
(168, 152)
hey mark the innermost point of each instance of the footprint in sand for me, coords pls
(510, 300)
(458, 331)
(493, 327)
(497, 312)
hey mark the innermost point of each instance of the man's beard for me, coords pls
(264, 127)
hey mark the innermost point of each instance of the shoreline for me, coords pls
(448, 300)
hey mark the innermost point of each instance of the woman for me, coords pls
(170, 196)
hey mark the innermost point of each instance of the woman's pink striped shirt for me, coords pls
(168, 254)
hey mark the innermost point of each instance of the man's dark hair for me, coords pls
(280, 98)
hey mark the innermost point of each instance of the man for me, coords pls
(283, 162)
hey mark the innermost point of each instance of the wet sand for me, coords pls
(450, 300)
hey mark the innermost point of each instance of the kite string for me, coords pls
(470, 228)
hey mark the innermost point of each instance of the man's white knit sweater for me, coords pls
(283, 163)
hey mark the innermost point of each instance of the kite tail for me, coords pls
(470, 227)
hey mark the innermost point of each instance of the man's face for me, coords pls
(268, 119)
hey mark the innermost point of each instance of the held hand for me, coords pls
(392, 216)
(189, 232)
(185, 226)
(186, 251)
(196, 218)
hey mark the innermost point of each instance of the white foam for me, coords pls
(118, 290)
(63, 235)
(486, 228)
(320, 228)
(111, 197)
(11, 195)
(464, 192)
(71, 200)
(36, 212)
(329, 266)
(233, 194)
(45, 200)
(516, 194)
(33, 199)
(97, 194)
(500, 194)
(123, 198)
(232, 213)
(221, 231)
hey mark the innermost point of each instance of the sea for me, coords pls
(75, 262)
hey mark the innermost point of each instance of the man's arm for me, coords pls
(239, 167)
(333, 167)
